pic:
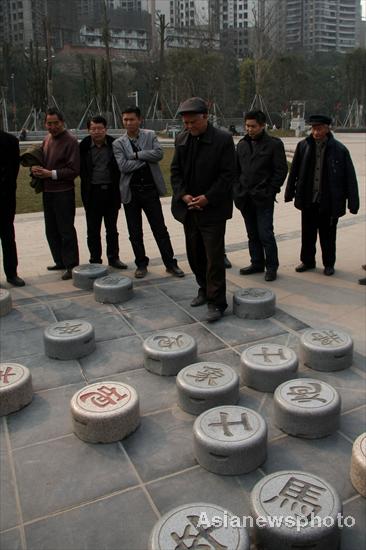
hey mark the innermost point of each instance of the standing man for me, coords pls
(9, 168)
(322, 179)
(202, 174)
(262, 169)
(99, 175)
(61, 161)
(138, 153)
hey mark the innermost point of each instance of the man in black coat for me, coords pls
(322, 179)
(99, 175)
(9, 168)
(202, 175)
(262, 169)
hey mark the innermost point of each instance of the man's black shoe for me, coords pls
(328, 270)
(303, 267)
(227, 262)
(250, 269)
(271, 275)
(140, 272)
(118, 264)
(15, 281)
(175, 270)
(56, 267)
(214, 313)
(67, 275)
(362, 281)
(199, 300)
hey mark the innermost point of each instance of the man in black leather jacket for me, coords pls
(262, 169)
(322, 180)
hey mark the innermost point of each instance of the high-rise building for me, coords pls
(232, 18)
(21, 21)
(322, 25)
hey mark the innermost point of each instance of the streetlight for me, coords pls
(14, 108)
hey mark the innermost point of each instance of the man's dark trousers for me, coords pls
(313, 219)
(262, 243)
(7, 235)
(205, 251)
(59, 215)
(101, 205)
(147, 200)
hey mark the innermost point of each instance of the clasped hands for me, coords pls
(42, 173)
(195, 203)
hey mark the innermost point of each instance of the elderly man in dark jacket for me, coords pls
(322, 179)
(9, 168)
(262, 169)
(202, 174)
(99, 175)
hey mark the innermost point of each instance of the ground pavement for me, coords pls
(58, 492)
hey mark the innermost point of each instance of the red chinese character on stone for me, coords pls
(103, 397)
(4, 374)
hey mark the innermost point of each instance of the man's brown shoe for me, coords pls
(140, 272)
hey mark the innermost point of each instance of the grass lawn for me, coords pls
(30, 201)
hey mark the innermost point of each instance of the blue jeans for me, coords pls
(262, 243)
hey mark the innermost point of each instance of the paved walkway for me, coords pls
(58, 492)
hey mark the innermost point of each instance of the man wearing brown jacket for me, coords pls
(61, 161)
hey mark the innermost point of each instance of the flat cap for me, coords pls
(193, 105)
(319, 119)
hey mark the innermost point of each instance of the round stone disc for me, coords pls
(168, 351)
(84, 275)
(105, 411)
(265, 366)
(113, 289)
(69, 339)
(326, 349)
(5, 302)
(16, 390)
(254, 303)
(198, 525)
(202, 386)
(358, 464)
(294, 496)
(230, 440)
(306, 407)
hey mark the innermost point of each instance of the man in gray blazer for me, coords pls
(138, 153)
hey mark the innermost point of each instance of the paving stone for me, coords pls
(67, 472)
(105, 412)
(266, 366)
(110, 327)
(155, 318)
(230, 440)
(184, 524)
(358, 465)
(167, 352)
(353, 421)
(254, 303)
(202, 386)
(185, 290)
(145, 298)
(326, 349)
(113, 289)
(234, 331)
(113, 357)
(206, 341)
(155, 392)
(83, 276)
(69, 339)
(288, 320)
(296, 494)
(27, 317)
(166, 439)
(9, 516)
(97, 525)
(20, 343)
(16, 390)
(80, 307)
(5, 302)
(232, 492)
(354, 538)
(47, 418)
(11, 540)
(307, 408)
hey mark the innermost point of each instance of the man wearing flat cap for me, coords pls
(202, 175)
(322, 180)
